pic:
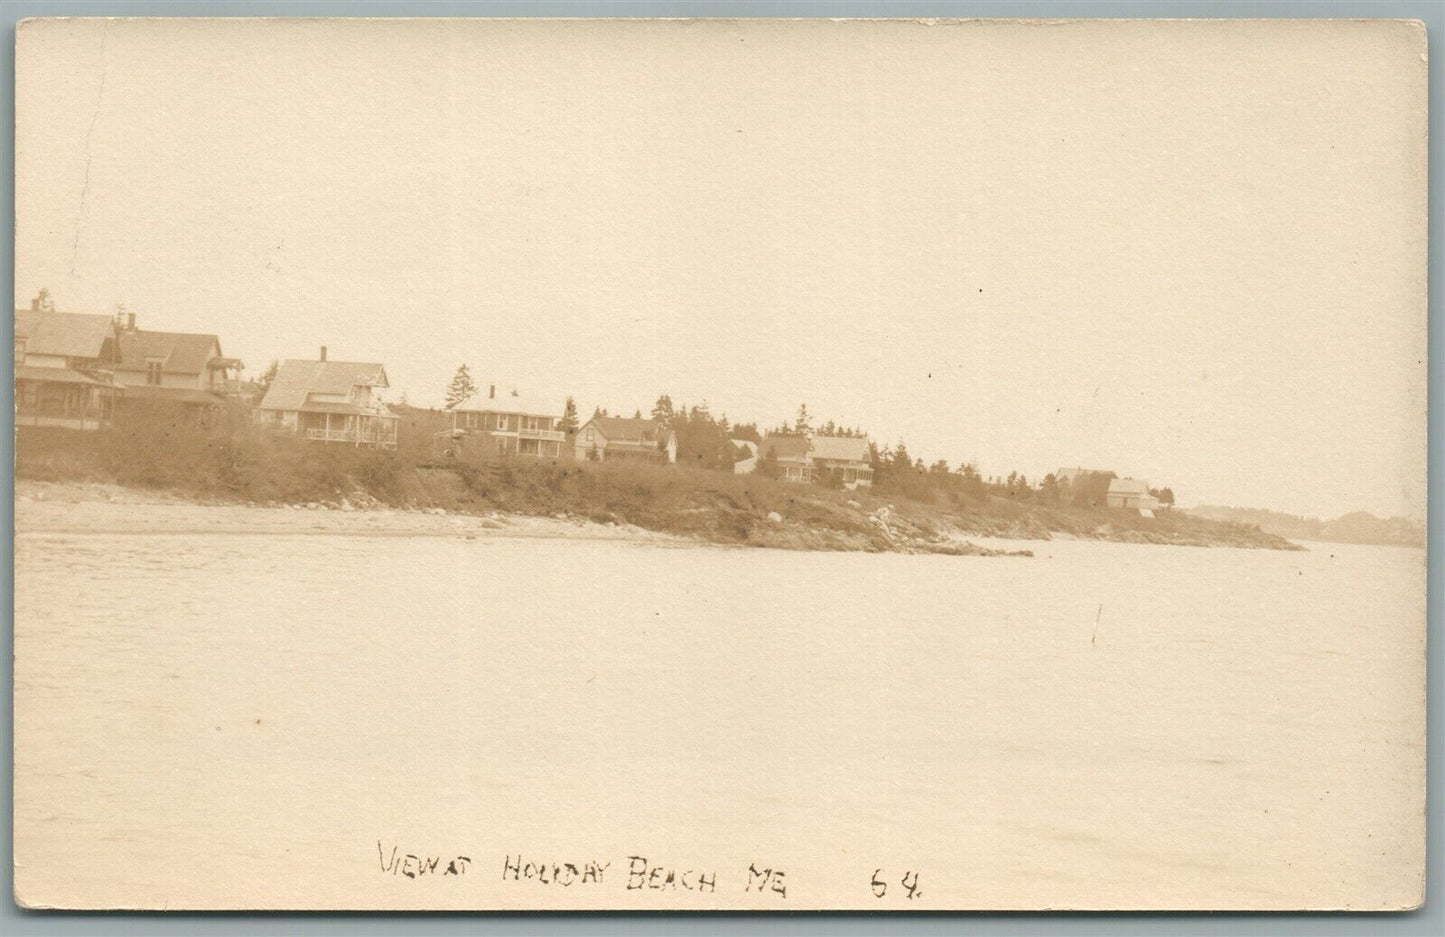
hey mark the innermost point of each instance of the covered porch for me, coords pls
(223, 376)
(63, 397)
(346, 423)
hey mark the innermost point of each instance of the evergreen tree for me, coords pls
(268, 375)
(569, 416)
(748, 431)
(768, 464)
(970, 480)
(662, 410)
(803, 424)
(461, 389)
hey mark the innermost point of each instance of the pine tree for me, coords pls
(268, 375)
(767, 465)
(804, 423)
(461, 389)
(662, 410)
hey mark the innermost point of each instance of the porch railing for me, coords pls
(371, 437)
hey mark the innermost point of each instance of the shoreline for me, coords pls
(68, 508)
(255, 481)
(76, 507)
(93, 508)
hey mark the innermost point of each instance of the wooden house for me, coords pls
(605, 438)
(64, 368)
(1132, 494)
(1081, 486)
(804, 458)
(506, 426)
(330, 401)
(844, 458)
(181, 368)
(791, 452)
(747, 456)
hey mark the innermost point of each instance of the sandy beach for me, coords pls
(48, 507)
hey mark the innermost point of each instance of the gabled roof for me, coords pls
(629, 429)
(841, 448)
(747, 444)
(785, 446)
(1128, 486)
(63, 334)
(181, 352)
(296, 379)
(529, 405)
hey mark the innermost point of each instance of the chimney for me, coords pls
(130, 322)
(492, 392)
(35, 304)
(323, 352)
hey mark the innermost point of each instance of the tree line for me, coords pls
(708, 442)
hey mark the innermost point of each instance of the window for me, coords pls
(153, 371)
(590, 436)
(502, 422)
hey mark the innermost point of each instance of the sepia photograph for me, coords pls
(720, 464)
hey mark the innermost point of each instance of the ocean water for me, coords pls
(278, 721)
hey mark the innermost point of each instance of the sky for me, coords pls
(1179, 251)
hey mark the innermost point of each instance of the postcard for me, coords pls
(738, 465)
